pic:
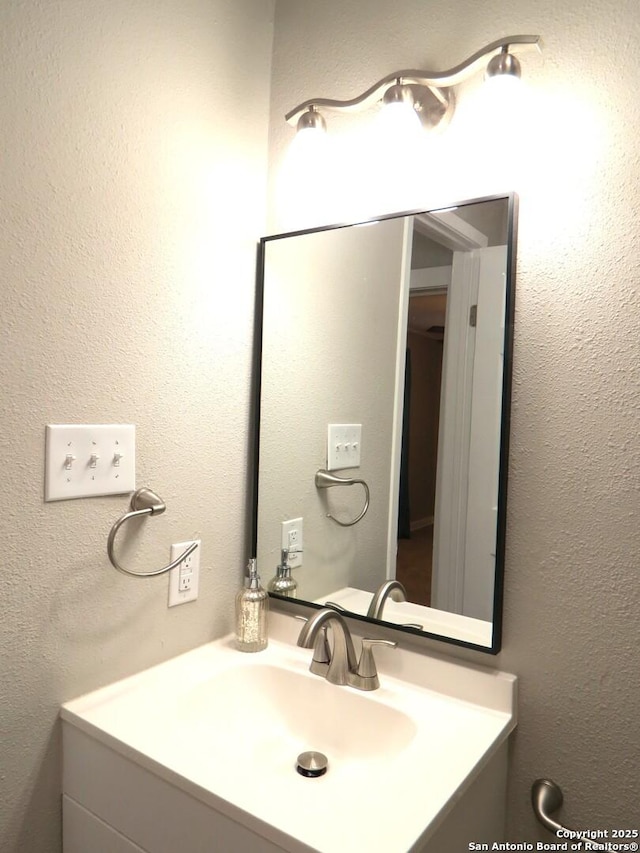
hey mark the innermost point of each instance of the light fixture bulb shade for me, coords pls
(311, 120)
(503, 64)
(398, 119)
(398, 94)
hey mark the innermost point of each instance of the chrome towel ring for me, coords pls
(143, 502)
(546, 798)
(324, 480)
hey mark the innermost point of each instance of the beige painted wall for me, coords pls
(132, 185)
(571, 628)
(330, 332)
(132, 161)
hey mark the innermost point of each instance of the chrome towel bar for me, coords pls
(546, 798)
(143, 502)
(324, 480)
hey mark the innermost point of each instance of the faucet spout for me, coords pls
(380, 596)
(343, 656)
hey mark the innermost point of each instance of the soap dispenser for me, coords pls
(252, 606)
(283, 583)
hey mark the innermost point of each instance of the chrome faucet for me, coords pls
(380, 596)
(338, 664)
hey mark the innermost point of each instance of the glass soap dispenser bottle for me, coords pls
(283, 583)
(252, 607)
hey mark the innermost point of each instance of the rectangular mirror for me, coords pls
(384, 388)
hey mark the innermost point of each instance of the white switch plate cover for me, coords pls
(70, 471)
(292, 539)
(184, 580)
(343, 446)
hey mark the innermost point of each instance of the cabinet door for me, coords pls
(83, 832)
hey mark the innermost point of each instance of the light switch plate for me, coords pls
(83, 461)
(343, 446)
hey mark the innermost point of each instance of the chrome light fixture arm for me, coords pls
(437, 82)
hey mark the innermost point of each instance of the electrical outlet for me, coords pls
(292, 540)
(184, 579)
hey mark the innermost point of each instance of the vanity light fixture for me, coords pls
(429, 93)
(399, 94)
(311, 120)
(399, 108)
(503, 64)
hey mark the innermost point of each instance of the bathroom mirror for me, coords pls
(384, 389)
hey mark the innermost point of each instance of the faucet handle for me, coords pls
(334, 606)
(366, 676)
(321, 653)
(367, 665)
(321, 650)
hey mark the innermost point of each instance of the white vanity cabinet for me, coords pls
(112, 805)
(84, 831)
(198, 755)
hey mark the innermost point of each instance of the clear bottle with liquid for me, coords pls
(252, 607)
(283, 583)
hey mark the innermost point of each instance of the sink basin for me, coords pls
(226, 728)
(295, 712)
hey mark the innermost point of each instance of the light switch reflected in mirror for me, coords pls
(404, 327)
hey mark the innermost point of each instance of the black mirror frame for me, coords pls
(505, 424)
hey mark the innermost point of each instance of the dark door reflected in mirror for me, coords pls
(386, 358)
(419, 454)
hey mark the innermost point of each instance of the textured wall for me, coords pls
(572, 595)
(134, 141)
(329, 356)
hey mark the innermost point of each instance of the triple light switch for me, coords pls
(83, 461)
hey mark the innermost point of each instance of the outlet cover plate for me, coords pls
(291, 538)
(188, 568)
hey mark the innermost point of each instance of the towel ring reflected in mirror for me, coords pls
(325, 480)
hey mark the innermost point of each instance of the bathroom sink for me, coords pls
(226, 728)
(296, 711)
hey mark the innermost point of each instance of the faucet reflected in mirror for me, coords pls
(378, 599)
(382, 593)
(403, 328)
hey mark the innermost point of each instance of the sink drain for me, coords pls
(312, 764)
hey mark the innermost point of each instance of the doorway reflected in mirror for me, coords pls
(423, 380)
